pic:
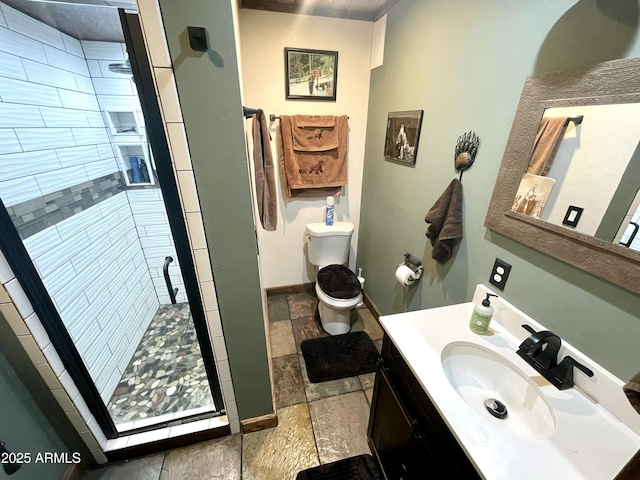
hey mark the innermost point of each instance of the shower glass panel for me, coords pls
(79, 181)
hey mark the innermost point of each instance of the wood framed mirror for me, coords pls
(614, 83)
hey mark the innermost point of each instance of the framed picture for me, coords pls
(533, 194)
(403, 133)
(572, 217)
(310, 74)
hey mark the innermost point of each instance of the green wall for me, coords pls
(464, 63)
(24, 429)
(209, 90)
(31, 417)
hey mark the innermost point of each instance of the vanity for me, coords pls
(429, 411)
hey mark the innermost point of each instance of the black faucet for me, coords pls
(540, 350)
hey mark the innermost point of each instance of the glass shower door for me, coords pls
(86, 177)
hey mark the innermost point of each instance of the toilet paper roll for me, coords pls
(404, 275)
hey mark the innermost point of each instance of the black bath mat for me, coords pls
(362, 467)
(339, 356)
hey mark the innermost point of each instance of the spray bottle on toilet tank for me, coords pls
(328, 219)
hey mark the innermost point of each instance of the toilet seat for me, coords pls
(339, 283)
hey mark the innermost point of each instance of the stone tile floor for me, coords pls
(166, 374)
(317, 423)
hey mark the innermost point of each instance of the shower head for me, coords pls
(123, 68)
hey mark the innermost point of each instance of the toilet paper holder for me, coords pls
(414, 263)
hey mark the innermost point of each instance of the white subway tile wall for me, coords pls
(147, 205)
(48, 107)
(150, 217)
(99, 282)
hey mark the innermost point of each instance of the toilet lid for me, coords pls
(338, 281)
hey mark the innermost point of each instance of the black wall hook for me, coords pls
(248, 112)
(197, 38)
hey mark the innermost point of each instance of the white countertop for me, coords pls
(589, 442)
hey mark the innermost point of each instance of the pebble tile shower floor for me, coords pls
(166, 374)
(317, 423)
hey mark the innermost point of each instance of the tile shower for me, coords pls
(98, 241)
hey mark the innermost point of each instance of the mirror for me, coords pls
(570, 175)
(583, 171)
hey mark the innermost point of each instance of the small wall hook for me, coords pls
(197, 38)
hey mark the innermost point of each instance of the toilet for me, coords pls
(338, 289)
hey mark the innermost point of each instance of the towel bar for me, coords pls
(273, 117)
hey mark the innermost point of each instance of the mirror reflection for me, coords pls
(584, 172)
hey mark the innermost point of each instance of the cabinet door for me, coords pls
(421, 464)
(390, 429)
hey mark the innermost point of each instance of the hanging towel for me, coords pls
(264, 174)
(632, 391)
(314, 133)
(445, 219)
(546, 144)
(312, 151)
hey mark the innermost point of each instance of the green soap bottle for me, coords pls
(481, 316)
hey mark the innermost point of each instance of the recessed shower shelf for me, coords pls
(123, 123)
(134, 163)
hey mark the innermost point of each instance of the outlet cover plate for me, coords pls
(499, 274)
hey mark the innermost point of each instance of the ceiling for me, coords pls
(82, 19)
(99, 20)
(370, 10)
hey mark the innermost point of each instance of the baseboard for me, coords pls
(259, 423)
(372, 307)
(300, 287)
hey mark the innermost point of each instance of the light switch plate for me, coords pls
(499, 274)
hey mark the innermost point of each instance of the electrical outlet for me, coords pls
(499, 274)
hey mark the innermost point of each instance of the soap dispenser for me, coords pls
(481, 317)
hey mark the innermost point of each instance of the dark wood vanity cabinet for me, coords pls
(406, 433)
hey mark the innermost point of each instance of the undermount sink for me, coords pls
(482, 377)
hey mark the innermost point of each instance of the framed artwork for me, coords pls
(403, 133)
(310, 74)
(533, 194)
(572, 217)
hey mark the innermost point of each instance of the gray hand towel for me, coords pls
(264, 174)
(632, 391)
(445, 219)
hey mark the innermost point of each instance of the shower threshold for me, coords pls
(165, 379)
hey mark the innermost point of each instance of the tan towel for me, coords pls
(314, 133)
(545, 146)
(312, 163)
(632, 391)
(445, 219)
(264, 174)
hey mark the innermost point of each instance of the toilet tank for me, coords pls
(328, 244)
